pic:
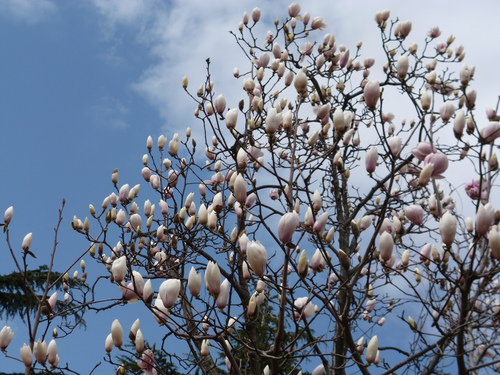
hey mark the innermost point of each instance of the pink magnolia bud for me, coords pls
(108, 344)
(223, 296)
(371, 94)
(415, 213)
(448, 228)
(422, 150)
(402, 66)
(371, 159)
(287, 226)
(7, 216)
(490, 132)
(439, 161)
(135, 221)
(294, 9)
(300, 82)
(212, 278)
(372, 349)
(117, 333)
(256, 15)
(484, 218)
(395, 144)
(149, 143)
(402, 29)
(317, 201)
(386, 245)
(6, 336)
(220, 104)
(446, 111)
(194, 282)
(53, 301)
(425, 254)
(27, 241)
(320, 223)
(257, 256)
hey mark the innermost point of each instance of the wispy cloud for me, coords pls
(27, 10)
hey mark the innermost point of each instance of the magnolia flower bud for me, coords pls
(257, 256)
(231, 118)
(287, 226)
(484, 218)
(415, 213)
(6, 336)
(446, 111)
(303, 265)
(490, 132)
(27, 241)
(372, 349)
(117, 333)
(425, 174)
(221, 301)
(448, 228)
(386, 245)
(169, 292)
(256, 15)
(494, 242)
(371, 94)
(300, 82)
(52, 356)
(119, 269)
(425, 101)
(212, 278)
(7, 216)
(194, 282)
(395, 144)
(402, 66)
(26, 355)
(371, 159)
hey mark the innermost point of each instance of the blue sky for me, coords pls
(82, 85)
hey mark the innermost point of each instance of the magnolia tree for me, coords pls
(313, 225)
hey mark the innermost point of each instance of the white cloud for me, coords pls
(181, 35)
(28, 10)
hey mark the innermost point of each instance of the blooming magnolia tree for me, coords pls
(316, 223)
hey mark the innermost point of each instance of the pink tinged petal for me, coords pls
(119, 269)
(386, 245)
(415, 213)
(422, 150)
(371, 94)
(6, 336)
(446, 111)
(395, 144)
(320, 223)
(223, 296)
(440, 162)
(27, 241)
(371, 159)
(52, 356)
(26, 355)
(287, 226)
(490, 132)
